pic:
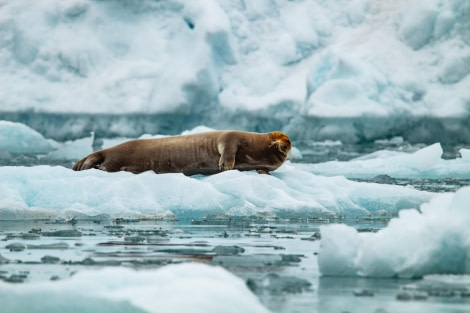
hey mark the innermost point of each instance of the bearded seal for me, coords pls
(204, 153)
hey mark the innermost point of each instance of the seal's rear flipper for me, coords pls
(94, 160)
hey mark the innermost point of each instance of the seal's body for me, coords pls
(203, 153)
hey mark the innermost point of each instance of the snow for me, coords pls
(424, 163)
(313, 58)
(205, 289)
(433, 240)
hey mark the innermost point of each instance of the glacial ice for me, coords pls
(205, 289)
(382, 58)
(433, 240)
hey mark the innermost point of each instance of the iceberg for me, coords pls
(205, 289)
(433, 240)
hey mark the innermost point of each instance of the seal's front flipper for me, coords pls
(263, 172)
(227, 156)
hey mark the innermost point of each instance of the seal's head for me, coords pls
(281, 142)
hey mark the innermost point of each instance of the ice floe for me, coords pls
(173, 288)
(54, 191)
(424, 163)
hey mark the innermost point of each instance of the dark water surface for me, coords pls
(276, 258)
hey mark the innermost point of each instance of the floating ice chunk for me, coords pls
(426, 157)
(50, 192)
(94, 192)
(73, 150)
(465, 153)
(19, 138)
(424, 163)
(442, 286)
(173, 288)
(197, 130)
(108, 143)
(342, 242)
(433, 241)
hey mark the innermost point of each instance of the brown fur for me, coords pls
(204, 153)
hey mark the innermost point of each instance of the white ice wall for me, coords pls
(317, 58)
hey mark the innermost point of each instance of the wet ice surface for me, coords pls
(276, 259)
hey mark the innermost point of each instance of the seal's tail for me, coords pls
(94, 160)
